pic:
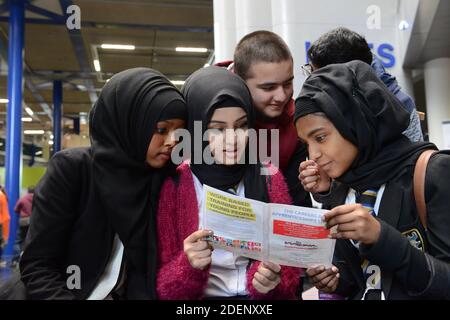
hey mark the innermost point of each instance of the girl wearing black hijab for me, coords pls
(188, 269)
(92, 234)
(353, 127)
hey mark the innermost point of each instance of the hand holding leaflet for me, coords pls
(282, 234)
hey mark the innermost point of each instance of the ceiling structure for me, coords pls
(54, 52)
(429, 38)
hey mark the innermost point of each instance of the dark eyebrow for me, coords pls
(215, 121)
(224, 122)
(244, 116)
(264, 84)
(314, 131)
(267, 84)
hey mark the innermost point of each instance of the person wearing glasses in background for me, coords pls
(342, 45)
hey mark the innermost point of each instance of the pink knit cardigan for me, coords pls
(178, 217)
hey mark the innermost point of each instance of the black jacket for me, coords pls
(299, 196)
(421, 271)
(61, 232)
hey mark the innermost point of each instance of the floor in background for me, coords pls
(6, 272)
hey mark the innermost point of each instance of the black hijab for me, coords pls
(368, 115)
(205, 91)
(122, 123)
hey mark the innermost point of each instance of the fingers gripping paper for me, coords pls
(283, 234)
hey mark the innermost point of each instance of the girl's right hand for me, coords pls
(313, 178)
(197, 250)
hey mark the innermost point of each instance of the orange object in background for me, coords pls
(4, 216)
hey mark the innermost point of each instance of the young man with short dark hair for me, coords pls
(265, 63)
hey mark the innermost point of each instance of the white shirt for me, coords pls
(351, 198)
(110, 276)
(228, 272)
(374, 280)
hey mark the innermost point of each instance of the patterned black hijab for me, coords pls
(205, 91)
(122, 123)
(368, 115)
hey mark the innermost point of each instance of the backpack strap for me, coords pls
(419, 185)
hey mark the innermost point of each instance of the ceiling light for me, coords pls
(178, 82)
(186, 49)
(50, 142)
(403, 25)
(27, 119)
(29, 111)
(118, 46)
(38, 153)
(34, 132)
(97, 65)
(3, 100)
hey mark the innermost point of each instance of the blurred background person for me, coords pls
(23, 209)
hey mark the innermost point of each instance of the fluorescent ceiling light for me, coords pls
(403, 25)
(34, 132)
(27, 119)
(38, 153)
(3, 100)
(97, 65)
(29, 111)
(178, 82)
(186, 49)
(118, 46)
(50, 142)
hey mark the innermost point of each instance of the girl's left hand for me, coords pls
(267, 277)
(354, 222)
(323, 279)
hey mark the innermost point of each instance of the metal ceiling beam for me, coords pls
(28, 82)
(43, 12)
(80, 52)
(167, 3)
(37, 96)
(93, 24)
(64, 75)
(50, 75)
